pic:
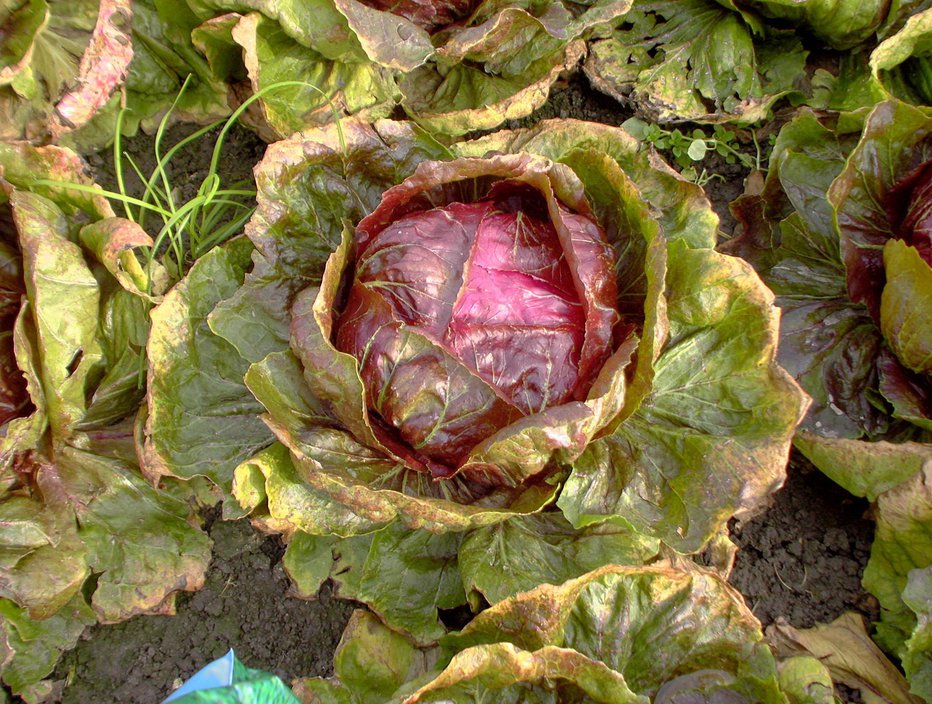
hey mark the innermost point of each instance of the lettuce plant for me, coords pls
(619, 635)
(628, 370)
(453, 66)
(699, 60)
(852, 328)
(86, 538)
(841, 234)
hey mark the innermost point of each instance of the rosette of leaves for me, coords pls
(84, 537)
(700, 60)
(433, 485)
(619, 635)
(841, 234)
(455, 66)
(838, 233)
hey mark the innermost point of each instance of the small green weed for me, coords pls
(690, 149)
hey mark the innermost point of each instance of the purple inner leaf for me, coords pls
(466, 317)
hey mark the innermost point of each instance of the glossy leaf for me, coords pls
(648, 624)
(517, 555)
(202, 419)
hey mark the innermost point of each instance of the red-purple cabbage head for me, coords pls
(472, 305)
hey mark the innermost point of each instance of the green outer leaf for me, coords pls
(373, 660)
(507, 674)
(388, 39)
(405, 576)
(308, 560)
(517, 555)
(886, 61)
(864, 468)
(841, 23)
(905, 304)
(917, 661)
(370, 663)
(902, 542)
(647, 623)
(464, 98)
(729, 428)
(270, 478)
(43, 561)
(34, 647)
(163, 57)
(805, 680)
(65, 300)
(138, 539)
(695, 60)
(271, 56)
(115, 242)
(316, 24)
(21, 164)
(202, 419)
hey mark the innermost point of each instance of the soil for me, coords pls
(245, 605)
(801, 560)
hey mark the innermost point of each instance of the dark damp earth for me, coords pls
(800, 560)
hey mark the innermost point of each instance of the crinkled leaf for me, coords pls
(902, 63)
(117, 244)
(648, 624)
(316, 23)
(827, 343)
(902, 542)
(32, 648)
(464, 98)
(102, 69)
(138, 539)
(896, 138)
(405, 577)
(864, 468)
(123, 333)
(163, 57)
(336, 88)
(269, 480)
(387, 38)
(729, 427)
(917, 661)
(517, 555)
(840, 23)
(695, 60)
(202, 418)
(42, 561)
(22, 165)
(680, 206)
(805, 680)
(65, 299)
(905, 305)
(41, 58)
(844, 647)
(510, 675)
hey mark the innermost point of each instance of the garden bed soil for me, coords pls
(801, 560)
